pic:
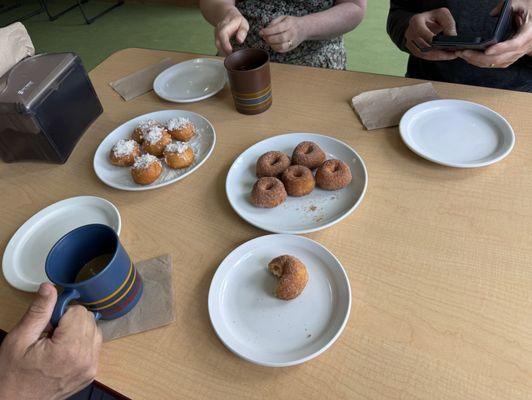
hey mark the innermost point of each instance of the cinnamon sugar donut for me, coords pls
(272, 163)
(333, 175)
(298, 180)
(268, 192)
(292, 274)
(308, 154)
(146, 169)
(155, 140)
(124, 152)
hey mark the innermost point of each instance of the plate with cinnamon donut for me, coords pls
(296, 183)
(154, 150)
(279, 300)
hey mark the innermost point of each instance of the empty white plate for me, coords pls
(190, 81)
(120, 177)
(457, 133)
(265, 330)
(25, 254)
(318, 210)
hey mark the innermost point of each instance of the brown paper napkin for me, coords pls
(140, 82)
(15, 44)
(156, 306)
(385, 107)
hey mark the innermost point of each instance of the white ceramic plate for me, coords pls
(25, 254)
(190, 81)
(296, 215)
(457, 133)
(120, 177)
(264, 330)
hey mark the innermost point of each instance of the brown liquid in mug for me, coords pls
(93, 267)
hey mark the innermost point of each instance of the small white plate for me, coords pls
(25, 254)
(457, 133)
(265, 330)
(190, 81)
(120, 177)
(296, 215)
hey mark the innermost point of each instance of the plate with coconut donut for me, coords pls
(279, 300)
(296, 183)
(154, 150)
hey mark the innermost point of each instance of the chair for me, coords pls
(8, 7)
(79, 4)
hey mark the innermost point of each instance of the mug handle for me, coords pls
(62, 302)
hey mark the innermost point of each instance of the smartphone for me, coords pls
(503, 30)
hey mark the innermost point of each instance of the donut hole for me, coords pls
(335, 168)
(275, 161)
(276, 270)
(298, 174)
(309, 150)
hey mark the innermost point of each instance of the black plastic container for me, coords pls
(47, 102)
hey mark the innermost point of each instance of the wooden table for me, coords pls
(438, 258)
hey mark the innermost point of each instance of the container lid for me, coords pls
(27, 82)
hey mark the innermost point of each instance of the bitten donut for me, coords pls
(292, 274)
(155, 140)
(146, 169)
(268, 192)
(298, 180)
(124, 152)
(272, 163)
(181, 129)
(142, 128)
(333, 175)
(178, 155)
(308, 154)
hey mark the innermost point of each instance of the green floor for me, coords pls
(174, 28)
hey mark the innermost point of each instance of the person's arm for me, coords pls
(398, 20)
(227, 22)
(35, 366)
(286, 32)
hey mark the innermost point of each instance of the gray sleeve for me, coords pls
(398, 19)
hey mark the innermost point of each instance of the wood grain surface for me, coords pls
(438, 258)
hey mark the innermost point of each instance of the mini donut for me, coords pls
(146, 169)
(155, 140)
(142, 128)
(308, 154)
(272, 163)
(268, 192)
(292, 274)
(178, 155)
(298, 180)
(124, 152)
(333, 175)
(181, 129)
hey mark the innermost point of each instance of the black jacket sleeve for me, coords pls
(398, 19)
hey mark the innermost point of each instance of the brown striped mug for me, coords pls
(249, 77)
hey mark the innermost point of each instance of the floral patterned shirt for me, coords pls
(315, 53)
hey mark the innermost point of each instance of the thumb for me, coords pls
(37, 317)
(445, 19)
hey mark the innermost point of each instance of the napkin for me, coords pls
(140, 82)
(383, 108)
(15, 44)
(156, 306)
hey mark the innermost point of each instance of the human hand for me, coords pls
(504, 54)
(284, 33)
(36, 366)
(232, 24)
(423, 27)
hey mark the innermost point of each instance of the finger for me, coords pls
(226, 31)
(242, 32)
(280, 27)
(481, 60)
(425, 33)
(71, 325)
(280, 38)
(497, 10)
(507, 46)
(277, 20)
(441, 55)
(281, 48)
(444, 17)
(421, 44)
(37, 317)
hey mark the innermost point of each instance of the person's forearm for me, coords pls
(337, 20)
(398, 20)
(214, 10)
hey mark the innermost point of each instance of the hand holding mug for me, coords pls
(34, 365)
